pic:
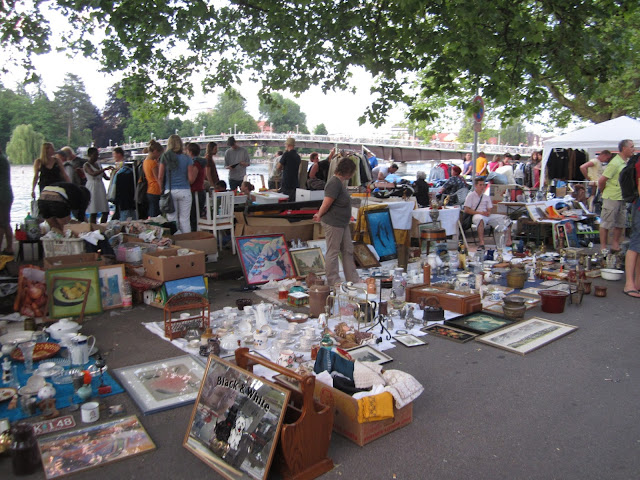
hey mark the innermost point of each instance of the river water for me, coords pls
(22, 178)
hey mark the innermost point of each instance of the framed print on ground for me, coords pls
(380, 231)
(308, 260)
(409, 340)
(236, 421)
(449, 333)
(478, 322)
(68, 294)
(190, 284)
(363, 256)
(264, 258)
(528, 335)
(111, 285)
(67, 304)
(163, 384)
(366, 353)
(93, 446)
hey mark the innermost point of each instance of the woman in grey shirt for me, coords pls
(335, 214)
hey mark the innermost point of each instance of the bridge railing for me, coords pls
(375, 140)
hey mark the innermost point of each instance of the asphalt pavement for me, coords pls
(566, 411)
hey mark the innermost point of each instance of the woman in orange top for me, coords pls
(150, 168)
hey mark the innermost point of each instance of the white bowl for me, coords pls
(611, 274)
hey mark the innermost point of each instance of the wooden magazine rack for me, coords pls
(306, 432)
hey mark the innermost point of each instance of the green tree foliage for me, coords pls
(75, 110)
(465, 135)
(320, 130)
(566, 57)
(514, 133)
(11, 106)
(229, 114)
(113, 120)
(283, 114)
(24, 146)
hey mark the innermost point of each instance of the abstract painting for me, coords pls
(264, 258)
(380, 231)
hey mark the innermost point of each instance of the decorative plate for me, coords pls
(40, 352)
(16, 337)
(7, 393)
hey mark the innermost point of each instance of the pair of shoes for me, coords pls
(631, 292)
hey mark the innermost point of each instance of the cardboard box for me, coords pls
(173, 266)
(345, 419)
(78, 260)
(203, 241)
(84, 227)
(308, 195)
(291, 230)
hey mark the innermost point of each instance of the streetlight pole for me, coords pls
(229, 130)
(203, 130)
(297, 129)
(235, 125)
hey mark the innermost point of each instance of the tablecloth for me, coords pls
(64, 393)
(448, 218)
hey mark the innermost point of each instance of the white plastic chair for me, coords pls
(219, 209)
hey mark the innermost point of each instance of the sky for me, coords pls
(339, 111)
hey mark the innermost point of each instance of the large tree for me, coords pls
(24, 146)
(75, 110)
(571, 58)
(229, 115)
(283, 114)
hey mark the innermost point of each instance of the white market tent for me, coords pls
(605, 135)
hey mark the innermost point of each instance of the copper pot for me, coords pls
(587, 287)
(600, 291)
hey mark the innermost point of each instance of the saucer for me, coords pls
(27, 390)
(63, 362)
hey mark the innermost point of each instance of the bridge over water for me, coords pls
(398, 150)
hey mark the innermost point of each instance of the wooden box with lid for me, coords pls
(452, 300)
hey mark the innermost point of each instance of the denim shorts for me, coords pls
(634, 241)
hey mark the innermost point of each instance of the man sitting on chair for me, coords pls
(479, 205)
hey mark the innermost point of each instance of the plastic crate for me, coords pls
(55, 247)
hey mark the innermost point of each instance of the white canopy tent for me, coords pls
(605, 135)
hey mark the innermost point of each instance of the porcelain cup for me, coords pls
(260, 339)
(286, 358)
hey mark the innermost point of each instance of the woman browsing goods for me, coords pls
(335, 215)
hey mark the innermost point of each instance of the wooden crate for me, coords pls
(186, 302)
(452, 300)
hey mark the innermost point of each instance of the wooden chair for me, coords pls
(219, 216)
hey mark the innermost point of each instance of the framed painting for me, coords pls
(93, 446)
(363, 256)
(67, 296)
(236, 421)
(528, 335)
(308, 260)
(190, 284)
(478, 322)
(64, 298)
(163, 384)
(409, 340)
(536, 211)
(111, 285)
(367, 353)
(381, 234)
(264, 258)
(450, 333)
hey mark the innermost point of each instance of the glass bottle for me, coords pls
(25, 456)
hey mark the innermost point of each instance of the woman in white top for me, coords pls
(95, 173)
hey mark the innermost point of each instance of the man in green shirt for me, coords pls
(614, 212)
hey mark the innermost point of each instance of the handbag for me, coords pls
(166, 200)
(467, 218)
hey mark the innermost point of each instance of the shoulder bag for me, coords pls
(166, 200)
(467, 218)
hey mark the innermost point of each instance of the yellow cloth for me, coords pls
(402, 237)
(4, 259)
(375, 407)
